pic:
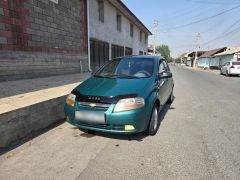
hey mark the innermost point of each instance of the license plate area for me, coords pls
(90, 117)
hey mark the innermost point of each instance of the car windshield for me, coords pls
(236, 63)
(127, 68)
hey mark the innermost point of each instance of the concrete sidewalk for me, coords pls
(29, 105)
(22, 93)
(12, 88)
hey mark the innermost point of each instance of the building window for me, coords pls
(128, 51)
(99, 53)
(119, 22)
(146, 38)
(131, 30)
(101, 10)
(117, 51)
(140, 52)
(140, 36)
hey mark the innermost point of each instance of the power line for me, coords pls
(212, 3)
(199, 10)
(203, 19)
(221, 36)
(184, 12)
(232, 25)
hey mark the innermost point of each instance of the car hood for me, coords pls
(95, 86)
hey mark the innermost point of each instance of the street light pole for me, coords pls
(197, 46)
(155, 23)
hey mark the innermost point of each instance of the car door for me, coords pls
(162, 83)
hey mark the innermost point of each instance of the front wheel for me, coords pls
(154, 122)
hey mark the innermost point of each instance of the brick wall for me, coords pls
(41, 38)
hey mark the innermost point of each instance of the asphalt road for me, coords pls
(199, 138)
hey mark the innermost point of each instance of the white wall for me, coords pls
(108, 32)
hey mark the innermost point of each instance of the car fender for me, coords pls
(152, 99)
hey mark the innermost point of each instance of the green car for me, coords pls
(124, 96)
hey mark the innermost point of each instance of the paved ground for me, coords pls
(199, 138)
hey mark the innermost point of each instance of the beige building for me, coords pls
(114, 31)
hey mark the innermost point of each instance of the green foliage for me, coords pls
(170, 60)
(178, 60)
(165, 52)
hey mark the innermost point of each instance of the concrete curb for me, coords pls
(200, 69)
(20, 123)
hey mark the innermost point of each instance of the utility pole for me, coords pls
(197, 47)
(155, 23)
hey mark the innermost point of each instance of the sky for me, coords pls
(217, 21)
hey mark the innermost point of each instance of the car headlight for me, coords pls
(71, 100)
(129, 104)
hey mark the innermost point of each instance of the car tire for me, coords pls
(171, 98)
(221, 72)
(154, 122)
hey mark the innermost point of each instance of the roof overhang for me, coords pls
(229, 51)
(118, 4)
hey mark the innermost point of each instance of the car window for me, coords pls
(127, 67)
(236, 63)
(161, 68)
(166, 66)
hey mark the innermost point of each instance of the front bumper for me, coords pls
(114, 122)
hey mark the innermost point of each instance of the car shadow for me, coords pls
(231, 76)
(129, 137)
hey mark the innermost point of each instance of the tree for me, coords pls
(177, 60)
(164, 51)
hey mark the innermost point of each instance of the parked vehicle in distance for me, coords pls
(231, 68)
(124, 96)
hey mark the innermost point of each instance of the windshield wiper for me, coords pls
(98, 76)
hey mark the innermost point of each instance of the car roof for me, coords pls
(155, 57)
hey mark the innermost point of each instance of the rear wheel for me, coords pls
(154, 122)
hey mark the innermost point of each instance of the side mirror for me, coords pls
(165, 75)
